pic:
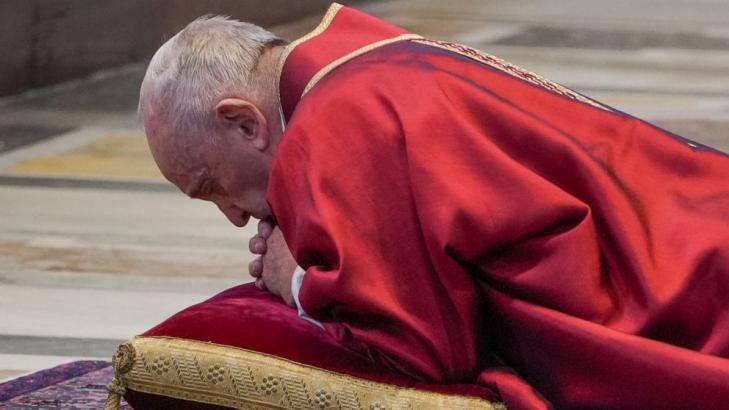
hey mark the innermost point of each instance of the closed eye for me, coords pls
(205, 190)
(218, 189)
(201, 191)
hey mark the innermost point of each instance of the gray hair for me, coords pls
(210, 58)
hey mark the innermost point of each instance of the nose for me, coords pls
(235, 215)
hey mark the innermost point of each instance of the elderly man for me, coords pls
(454, 213)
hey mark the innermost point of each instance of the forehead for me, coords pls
(182, 164)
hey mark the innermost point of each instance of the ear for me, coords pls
(244, 120)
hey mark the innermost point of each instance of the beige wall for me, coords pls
(46, 41)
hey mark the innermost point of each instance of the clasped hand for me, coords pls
(275, 265)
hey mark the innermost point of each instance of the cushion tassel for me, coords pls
(123, 362)
(116, 392)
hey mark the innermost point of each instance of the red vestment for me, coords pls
(457, 217)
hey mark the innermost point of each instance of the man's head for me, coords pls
(211, 113)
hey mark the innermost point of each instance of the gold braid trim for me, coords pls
(356, 53)
(323, 25)
(243, 379)
(511, 69)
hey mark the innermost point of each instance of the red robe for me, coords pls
(458, 217)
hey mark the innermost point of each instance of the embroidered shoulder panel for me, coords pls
(511, 69)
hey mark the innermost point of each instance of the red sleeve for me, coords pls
(343, 191)
(341, 194)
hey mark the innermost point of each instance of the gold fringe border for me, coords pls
(243, 379)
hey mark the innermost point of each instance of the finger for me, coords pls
(257, 245)
(265, 227)
(260, 284)
(255, 268)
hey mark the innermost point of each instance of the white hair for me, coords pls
(210, 58)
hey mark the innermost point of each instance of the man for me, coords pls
(456, 214)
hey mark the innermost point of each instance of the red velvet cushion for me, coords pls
(248, 318)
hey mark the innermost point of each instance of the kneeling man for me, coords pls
(454, 213)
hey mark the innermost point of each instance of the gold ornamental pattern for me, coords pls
(509, 68)
(244, 379)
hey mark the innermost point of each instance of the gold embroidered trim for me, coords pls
(323, 25)
(341, 60)
(244, 379)
(511, 69)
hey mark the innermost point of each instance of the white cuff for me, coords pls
(296, 281)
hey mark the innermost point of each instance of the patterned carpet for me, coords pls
(78, 385)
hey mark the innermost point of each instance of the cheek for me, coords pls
(245, 186)
(235, 194)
